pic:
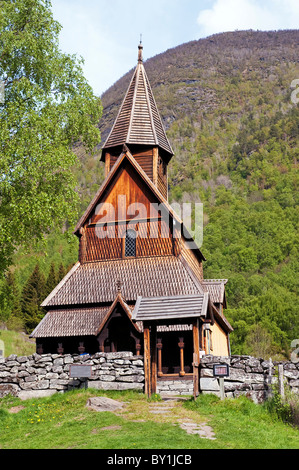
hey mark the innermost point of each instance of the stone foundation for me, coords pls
(175, 386)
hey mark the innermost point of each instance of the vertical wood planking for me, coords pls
(195, 358)
(155, 166)
(147, 359)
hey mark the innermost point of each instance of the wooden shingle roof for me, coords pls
(216, 289)
(138, 120)
(170, 308)
(80, 321)
(95, 283)
(70, 322)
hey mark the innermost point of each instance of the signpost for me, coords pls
(81, 371)
(221, 371)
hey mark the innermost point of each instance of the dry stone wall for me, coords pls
(248, 376)
(42, 375)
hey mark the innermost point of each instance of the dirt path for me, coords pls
(169, 411)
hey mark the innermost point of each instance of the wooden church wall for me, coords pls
(127, 189)
(129, 204)
(150, 160)
(143, 157)
(94, 248)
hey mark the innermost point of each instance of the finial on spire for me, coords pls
(119, 285)
(140, 47)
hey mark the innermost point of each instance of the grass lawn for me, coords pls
(17, 343)
(63, 422)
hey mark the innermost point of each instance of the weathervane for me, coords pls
(140, 47)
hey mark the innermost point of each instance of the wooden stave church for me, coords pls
(122, 283)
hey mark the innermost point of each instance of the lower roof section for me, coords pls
(96, 283)
(70, 322)
(171, 308)
(216, 289)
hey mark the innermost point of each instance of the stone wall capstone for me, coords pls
(42, 375)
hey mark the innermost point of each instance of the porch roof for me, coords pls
(171, 308)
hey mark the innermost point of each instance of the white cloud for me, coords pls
(231, 15)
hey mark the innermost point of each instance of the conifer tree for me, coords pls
(61, 273)
(32, 296)
(10, 298)
(51, 280)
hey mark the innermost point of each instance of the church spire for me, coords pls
(138, 121)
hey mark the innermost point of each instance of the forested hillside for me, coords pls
(226, 105)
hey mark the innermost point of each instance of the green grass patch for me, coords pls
(63, 421)
(241, 424)
(17, 343)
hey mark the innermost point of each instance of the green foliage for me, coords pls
(51, 281)
(32, 296)
(48, 107)
(279, 407)
(285, 408)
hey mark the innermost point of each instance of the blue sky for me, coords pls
(106, 33)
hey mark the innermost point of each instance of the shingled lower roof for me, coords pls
(70, 322)
(170, 308)
(95, 283)
(80, 321)
(216, 289)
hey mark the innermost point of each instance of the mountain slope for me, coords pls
(226, 104)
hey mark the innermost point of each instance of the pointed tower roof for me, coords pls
(138, 120)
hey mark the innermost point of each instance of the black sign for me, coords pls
(80, 370)
(220, 370)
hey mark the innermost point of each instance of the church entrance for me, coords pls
(174, 353)
(119, 335)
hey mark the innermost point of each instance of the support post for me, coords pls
(138, 347)
(181, 345)
(159, 351)
(280, 380)
(195, 358)
(147, 360)
(221, 385)
(270, 392)
(153, 353)
(155, 165)
(107, 164)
